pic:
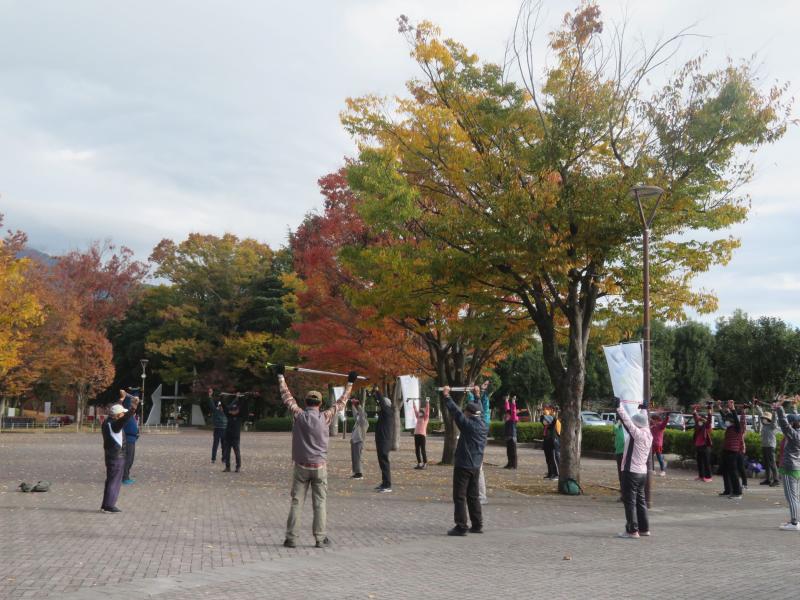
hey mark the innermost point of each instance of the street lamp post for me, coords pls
(143, 362)
(639, 192)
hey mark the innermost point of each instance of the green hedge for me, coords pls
(526, 431)
(601, 439)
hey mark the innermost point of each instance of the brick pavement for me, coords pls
(190, 531)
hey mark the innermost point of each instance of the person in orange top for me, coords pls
(421, 435)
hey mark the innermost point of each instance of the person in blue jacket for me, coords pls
(467, 465)
(131, 429)
(480, 396)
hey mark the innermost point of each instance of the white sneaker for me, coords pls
(663, 474)
(790, 527)
(628, 536)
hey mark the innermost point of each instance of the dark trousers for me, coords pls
(770, 469)
(618, 457)
(730, 473)
(703, 461)
(551, 456)
(419, 448)
(740, 468)
(386, 468)
(231, 443)
(219, 440)
(130, 454)
(465, 497)
(635, 503)
(114, 469)
(511, 453)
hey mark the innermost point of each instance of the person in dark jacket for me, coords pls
(383, 438)
(220, 422)
(467, 465)
(551, 444)
(235, 412)
(114, 451)
(510, 431)
(131, 437)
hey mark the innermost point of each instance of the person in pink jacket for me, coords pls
(634, 473)
(657, 426)
(421, 435)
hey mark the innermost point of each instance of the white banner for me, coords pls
(625, 367)
(408, 387)
(47, 406)
(154, 416)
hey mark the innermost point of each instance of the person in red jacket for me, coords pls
(658, 423)
(731, 448)
(702, 442)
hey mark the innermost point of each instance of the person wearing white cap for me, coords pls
(634, 472)
(114, 449)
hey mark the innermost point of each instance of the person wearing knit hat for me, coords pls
(634, 472)
(467, 465)
(310, 454)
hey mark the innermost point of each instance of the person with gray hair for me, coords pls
(635, 456)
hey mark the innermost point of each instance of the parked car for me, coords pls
(677, 421)
(592, 419)
(609, 417)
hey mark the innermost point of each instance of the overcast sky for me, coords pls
(141, 120)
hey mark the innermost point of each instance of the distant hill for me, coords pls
(38, 256)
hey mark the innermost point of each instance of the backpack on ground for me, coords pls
(42, 486)
(570, 487)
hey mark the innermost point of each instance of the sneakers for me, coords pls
(628, 536)
(424, 466)
(357, 476)
(553, 478)
(226, 470)
(384, 490)
(287, 543)
(418, 467)
(128, 481)
(112, 509)
(728, 494)
(774, 484)
(457, 531)
(662, 474)
(790, 527)
(644, 533)
(476, 529)
(735, 497)
(707, 480)
(326, 543)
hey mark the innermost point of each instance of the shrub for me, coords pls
(526, 431)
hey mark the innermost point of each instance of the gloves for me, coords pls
(352, 376)
(280, 370)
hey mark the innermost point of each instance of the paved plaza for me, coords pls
(188, 530)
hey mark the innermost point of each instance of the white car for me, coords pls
(592, 419)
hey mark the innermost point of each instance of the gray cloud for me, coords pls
(138, 121)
